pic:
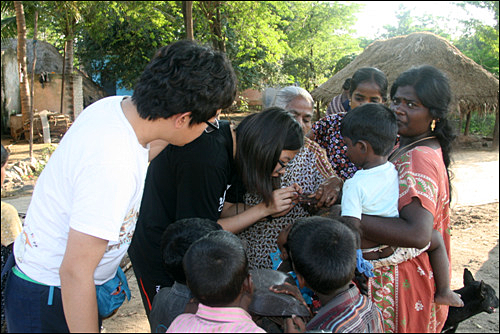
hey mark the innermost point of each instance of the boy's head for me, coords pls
(372, 124)
(185, 77)
(216, 268)
(282, 242)
(323, 253)
(176, 240)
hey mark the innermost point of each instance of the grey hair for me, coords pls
(283, 97)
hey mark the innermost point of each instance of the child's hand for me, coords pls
(294, 325)
(289, 289)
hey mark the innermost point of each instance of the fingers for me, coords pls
(295, 325)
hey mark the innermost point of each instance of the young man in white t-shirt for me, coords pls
(84, 208)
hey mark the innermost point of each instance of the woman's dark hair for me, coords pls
(433, 90)
(5, 155)
(374, 123)
(323, 251)
(216, 266)
(176, 240)
(370, 74)
(185, 76)
(261, 138)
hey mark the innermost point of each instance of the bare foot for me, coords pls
(448, 297)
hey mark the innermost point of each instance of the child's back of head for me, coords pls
(216, 267)
(374, 123)
(176, 240)
(323, 252)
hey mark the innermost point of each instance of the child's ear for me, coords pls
(248, 286)
(363, 145)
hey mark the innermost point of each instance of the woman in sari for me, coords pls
(405, 291)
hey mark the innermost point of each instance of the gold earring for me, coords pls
(433, 125)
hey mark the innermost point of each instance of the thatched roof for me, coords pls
(473, 87)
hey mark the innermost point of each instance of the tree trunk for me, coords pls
(69, 76)
(494, 145)
(212, 13)
(24, 90)
(187, 11)
(467, 123)
(33, 84)
(63, 81)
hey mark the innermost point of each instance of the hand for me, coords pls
(289, 289)
(294, 325)
(283, 200)
(329, 191)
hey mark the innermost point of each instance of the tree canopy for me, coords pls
(269, 42)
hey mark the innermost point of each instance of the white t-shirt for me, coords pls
(373, 191)
(93, 183)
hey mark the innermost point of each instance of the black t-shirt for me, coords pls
(181, 182)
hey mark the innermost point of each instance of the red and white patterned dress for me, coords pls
(405, 292)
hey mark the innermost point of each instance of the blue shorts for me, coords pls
(27, 309)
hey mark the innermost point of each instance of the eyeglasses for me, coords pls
(282, 164)
(212, 126)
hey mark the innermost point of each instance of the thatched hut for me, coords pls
(473, 88)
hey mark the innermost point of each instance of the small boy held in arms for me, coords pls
(323, 255)
(170, 302)
(370, 132)
(216, 269)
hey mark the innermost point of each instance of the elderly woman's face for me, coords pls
(413, 117)
(303, 112)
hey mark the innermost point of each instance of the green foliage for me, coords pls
(134, 31)
(318, 36)
(479, 41)
(480, 124)
(408, 24)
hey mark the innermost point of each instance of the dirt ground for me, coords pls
(475, 235)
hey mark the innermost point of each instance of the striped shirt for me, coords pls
(215, 320)
(349, 312)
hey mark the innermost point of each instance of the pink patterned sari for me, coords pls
(405, 292)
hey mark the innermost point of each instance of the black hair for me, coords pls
(261, 138)
(347, 84)
(433, 90)
(176, 240)
(216, 267)
(185, 77)
(370, 74)
(374, 123)
(323, 251)
(5, 155)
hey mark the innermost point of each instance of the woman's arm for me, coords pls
(235, 217)
(412, 229)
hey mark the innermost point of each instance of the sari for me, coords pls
(405, 292)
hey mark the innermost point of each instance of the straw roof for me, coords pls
(473, 87)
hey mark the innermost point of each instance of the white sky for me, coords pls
(376, 14)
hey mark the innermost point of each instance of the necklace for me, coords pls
(396, 153)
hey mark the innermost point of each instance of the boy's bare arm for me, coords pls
(83, 254)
